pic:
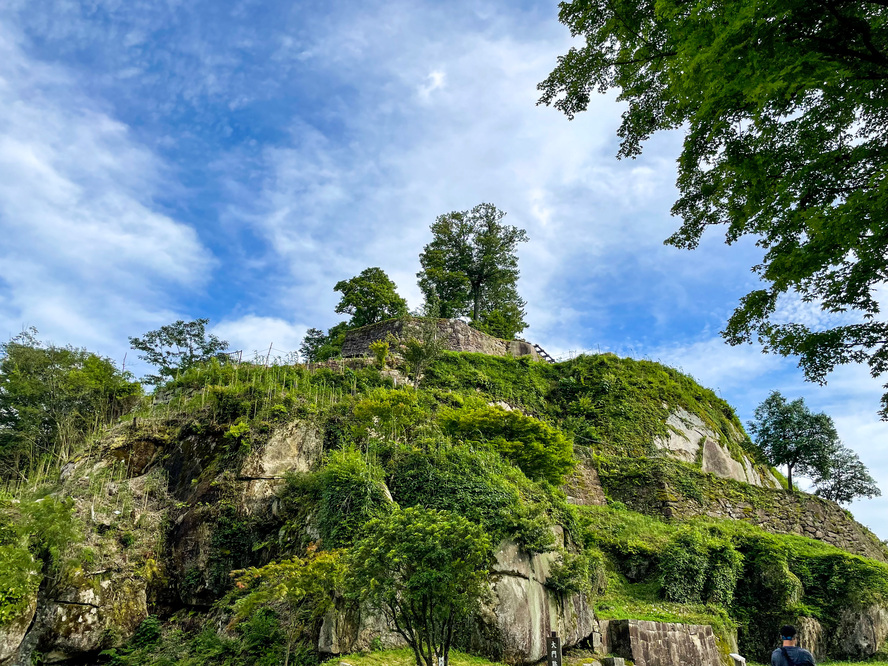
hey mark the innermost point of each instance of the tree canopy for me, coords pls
(176, 347)
(369, 298)
(788, 433)
(52, 397)
(786, 139)
(846, 479)
(425, 569)
(470, 268)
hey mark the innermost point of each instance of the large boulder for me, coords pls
(295, 447)
(860, 633)
(691, 440)
(525, 610)
(87, 617)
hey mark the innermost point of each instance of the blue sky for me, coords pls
(162, 159)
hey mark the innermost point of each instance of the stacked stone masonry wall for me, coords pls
(784, 513)
(456, 335)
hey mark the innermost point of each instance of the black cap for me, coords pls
(788, 632)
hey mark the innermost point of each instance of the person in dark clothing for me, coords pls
(790, 654)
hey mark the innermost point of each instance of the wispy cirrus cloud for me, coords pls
(85, 249)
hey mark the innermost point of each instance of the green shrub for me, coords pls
(697, 567)
(351, 495)
(570, 574)
(469, 483)
(683, 567)
(380, 350)
(724, 568)
(532, 528)
(391, 414)
(539, 450)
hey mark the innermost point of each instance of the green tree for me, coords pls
(788, 433)
(470, 267)
(369, 297)
(421, 347)
(424, 569)
(52, 397)
(318, 346)
(177, 347)
(786, 140)
(306, 586)
(846, 478)
(504, 322)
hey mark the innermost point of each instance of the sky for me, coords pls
(164, 159)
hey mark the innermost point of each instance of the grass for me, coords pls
(404, 657)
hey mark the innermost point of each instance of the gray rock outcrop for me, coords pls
(691, 440)
(860, 633)
(295, 447)
(525, 610)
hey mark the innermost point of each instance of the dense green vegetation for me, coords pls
(781, 106)
(445, 448)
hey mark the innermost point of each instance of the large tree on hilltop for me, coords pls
(369, 297)
(788, 433)
(470, 268)
(786, 139)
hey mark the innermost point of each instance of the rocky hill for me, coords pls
(626, 501)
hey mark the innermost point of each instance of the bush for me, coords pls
(460, 480)
(683, 567)
(570, 574)
(699, 568)
(351, 494)
(539, 450)
(425, 569)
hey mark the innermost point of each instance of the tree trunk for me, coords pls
(789, 477)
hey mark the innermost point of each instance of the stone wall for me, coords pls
(457, 336)
(659, 490)
(660, 643)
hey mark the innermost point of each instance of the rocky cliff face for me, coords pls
(172, 503)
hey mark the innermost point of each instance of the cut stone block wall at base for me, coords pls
(660, 643)
(457, 336)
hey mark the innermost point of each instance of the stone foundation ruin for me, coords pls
(456, 334)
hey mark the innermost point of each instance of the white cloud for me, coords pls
(254, 335)
(434, 81)
(85, 251)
